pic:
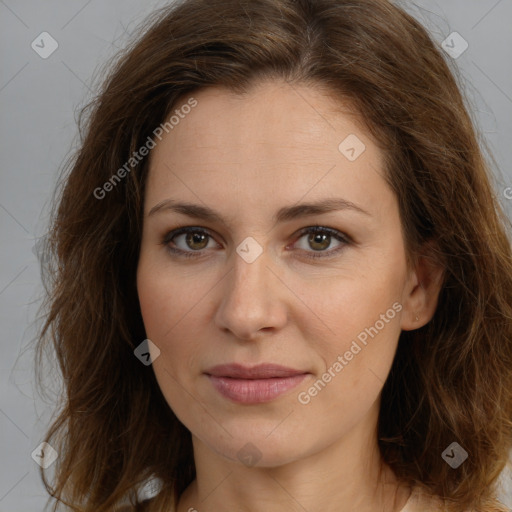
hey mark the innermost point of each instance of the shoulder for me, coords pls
(421, 501)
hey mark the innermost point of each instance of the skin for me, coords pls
(246, 157)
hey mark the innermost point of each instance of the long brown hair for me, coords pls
(451, 380)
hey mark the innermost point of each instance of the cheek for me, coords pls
(165, 296)
(164, 312)
(357, 351)
(155, 303)
(360, 327)
(346, 306)
(170, 308)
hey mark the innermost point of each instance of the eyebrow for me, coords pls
(286, 213)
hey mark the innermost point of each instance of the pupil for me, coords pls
(318, 238)
(196, 238)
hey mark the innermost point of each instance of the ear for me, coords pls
(421, 292)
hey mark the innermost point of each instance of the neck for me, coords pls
(344, 476)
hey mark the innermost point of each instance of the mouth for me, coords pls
(258, 384)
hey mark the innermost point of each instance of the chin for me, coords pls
(254, 447)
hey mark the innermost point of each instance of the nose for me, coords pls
(253, 298)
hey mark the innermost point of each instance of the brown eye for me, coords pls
(319, 241)
(195, 241)
(320, 238)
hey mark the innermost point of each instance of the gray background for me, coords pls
(39, 99)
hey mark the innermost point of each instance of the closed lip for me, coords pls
(261, 371)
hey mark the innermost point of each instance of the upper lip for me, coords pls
(261, 371)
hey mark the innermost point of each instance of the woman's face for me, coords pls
(251, 291)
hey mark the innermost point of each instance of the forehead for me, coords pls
(277, 140)
(269, 113)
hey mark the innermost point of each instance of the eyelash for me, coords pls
(338, 235)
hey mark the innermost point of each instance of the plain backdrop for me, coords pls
(39, 100)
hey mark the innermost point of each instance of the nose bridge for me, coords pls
(250, 301)
(250, 274)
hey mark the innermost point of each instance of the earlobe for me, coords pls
(421, 296)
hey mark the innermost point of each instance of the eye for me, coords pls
(196, 240)
(319, 238)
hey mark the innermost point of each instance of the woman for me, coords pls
(281, 279)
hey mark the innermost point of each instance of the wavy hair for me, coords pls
(451, 380)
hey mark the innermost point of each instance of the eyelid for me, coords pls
(334, 233)
(342, 237)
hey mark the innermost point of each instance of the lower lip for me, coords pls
(255, 391)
